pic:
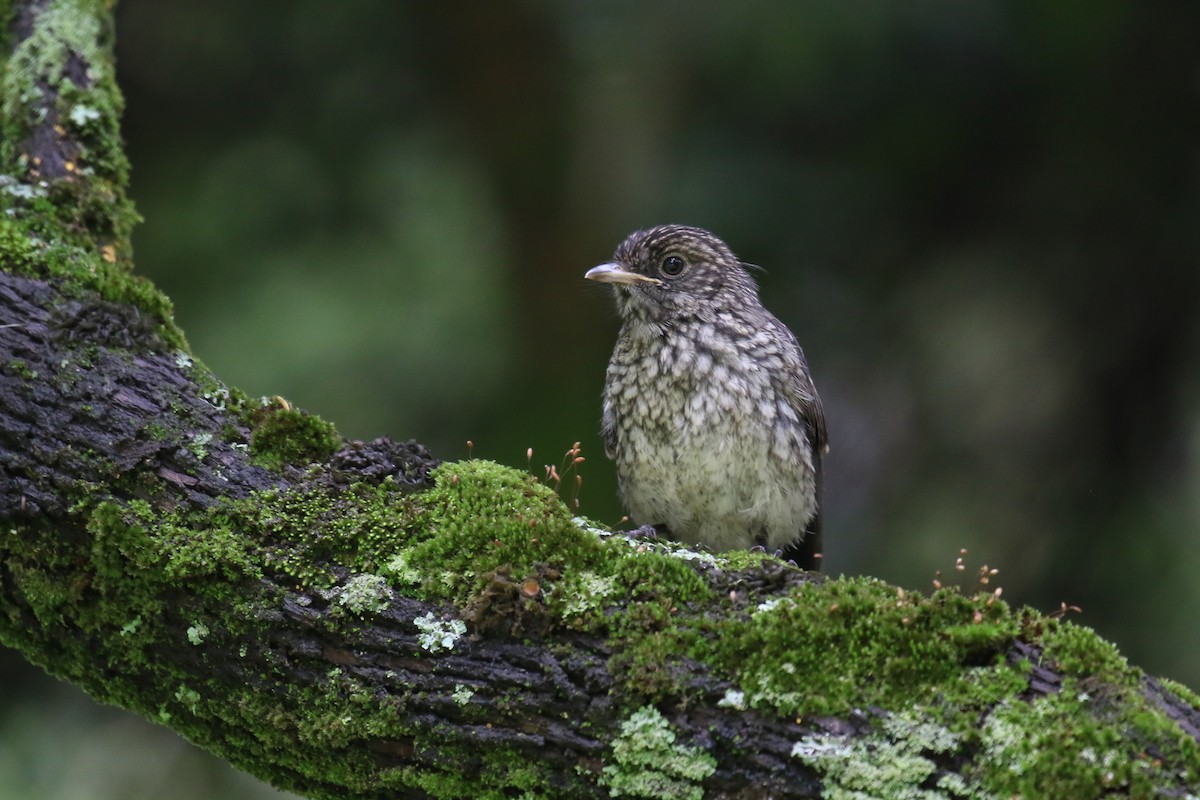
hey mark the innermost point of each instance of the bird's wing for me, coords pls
(802, 394)
(811, 410)
(608, 430)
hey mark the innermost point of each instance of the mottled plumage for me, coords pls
(709, 410)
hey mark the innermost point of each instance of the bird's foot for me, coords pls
(647, 532)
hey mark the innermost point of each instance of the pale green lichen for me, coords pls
(198, 445)
(365, 594)
(437, 635)
(187, 696)
(708, 559)
(81, 115)
(462, 694)
(769, 604)
(895, 762)
(733, 698)
(582, 593)
(24, 191)
(651, 763)
(196, 633)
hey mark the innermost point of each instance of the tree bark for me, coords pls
(348, 619)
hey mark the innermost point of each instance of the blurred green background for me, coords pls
(981, 219)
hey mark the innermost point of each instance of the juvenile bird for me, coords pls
(710, 412)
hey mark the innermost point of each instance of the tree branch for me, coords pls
(349, 619)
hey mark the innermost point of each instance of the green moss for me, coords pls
(135, 553)
(35, 242)
(508, 772)
(49, 598)
(891, 648)
(960, 702)
(74, 227)
(1183, 692)
(504, 551)
(481, 519)
(285, 435)
(649, 762)
(1077, 650)
(21, 369)
(20, 254)
(302, 535)
(66, 29)
(1057, 747)
(503, 773)
(156, 431)
(435, 783)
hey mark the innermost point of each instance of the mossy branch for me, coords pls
(354, 620)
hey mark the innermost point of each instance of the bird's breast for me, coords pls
(689, 381)
(706, 439)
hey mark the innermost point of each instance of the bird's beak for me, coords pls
(615, 273)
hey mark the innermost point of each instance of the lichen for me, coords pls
(198, 445)
(582, 596)
(649, 762)
(365, 594)
(733, 698)
(438, 635)
(895, 762)
(197, 632)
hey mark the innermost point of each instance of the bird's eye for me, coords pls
(672, 265)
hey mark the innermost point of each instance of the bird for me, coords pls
(709, 408)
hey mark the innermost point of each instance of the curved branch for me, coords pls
(352, 619)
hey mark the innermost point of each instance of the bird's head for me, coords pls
(674, 270)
